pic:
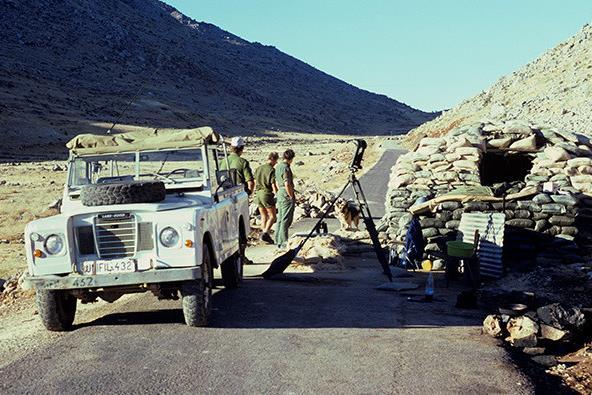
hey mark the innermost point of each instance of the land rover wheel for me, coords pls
(196, 295)
(56, 309)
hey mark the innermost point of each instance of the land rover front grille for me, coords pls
(116, 235)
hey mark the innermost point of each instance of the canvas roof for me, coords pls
(92, 144)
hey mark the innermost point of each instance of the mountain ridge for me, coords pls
(552, 91)
(70, 66)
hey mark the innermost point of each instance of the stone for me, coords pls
(403, 180)
(585, 170)
(442, 168)
(539, 215)
(492, 325)
(571, 148)
(550, 333)
(553, 208)
(576, 162)
(464, 164)
(565, 237)
(516, 128)
(427, 151)
(449, 205)
(566, 200)
(476, 206)
(429, 232)
(545, 360)
(534, 350)
(536, 178)
(541, 225)
(464, 151)
(451, 157)
(444, 216)
(461, 142)
(423, 174)
(568, 136)
(457, 214)
(445, 232)
(559, 317)
(470, 177)
(561, 220)
(446, 176)
(527, 205)
(553, 230)
(582, 179)
(522, 214)
(521, 223)
(452, 224)
(436, 160)
(569, 230)
(523, 331)
(432, 141)
(409, 166)
(500, 143)
(556, 154)
(472, 158)
(542, 198)
(431, 223)
(399, 193)
(549, 135)
(528, 144)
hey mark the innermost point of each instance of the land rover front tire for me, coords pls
(56, 309)
(196, 295)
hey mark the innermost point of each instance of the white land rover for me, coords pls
(140, 213)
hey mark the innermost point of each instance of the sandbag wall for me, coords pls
(439, 165)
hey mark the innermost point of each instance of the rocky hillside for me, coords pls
(70, 66)
(553, 90)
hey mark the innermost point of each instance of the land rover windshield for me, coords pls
(180, 168)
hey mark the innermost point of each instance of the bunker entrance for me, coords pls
(498, 167)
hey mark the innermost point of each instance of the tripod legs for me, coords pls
(370, 227)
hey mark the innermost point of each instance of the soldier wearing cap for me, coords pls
(242, 166)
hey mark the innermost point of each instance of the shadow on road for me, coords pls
(318, 303)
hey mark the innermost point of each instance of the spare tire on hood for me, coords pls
(123, 193)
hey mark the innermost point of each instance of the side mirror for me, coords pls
(224, 181)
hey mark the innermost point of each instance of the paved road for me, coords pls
(375, 182)
(332, 334)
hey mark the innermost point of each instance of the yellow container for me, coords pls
(427, 265)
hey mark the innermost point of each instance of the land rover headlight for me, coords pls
(54, 244)
(169, 237)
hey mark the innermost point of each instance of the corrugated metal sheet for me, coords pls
(491, 231)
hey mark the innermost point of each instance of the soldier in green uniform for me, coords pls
(265, 188)
(242, 166)
(286, 199)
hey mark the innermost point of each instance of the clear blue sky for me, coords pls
(430, 54)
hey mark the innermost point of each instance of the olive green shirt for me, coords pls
(283, 174)
(242, 166)
(264, 178)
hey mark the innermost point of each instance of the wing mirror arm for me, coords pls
(223, 183)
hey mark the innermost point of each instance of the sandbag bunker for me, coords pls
(539, 177)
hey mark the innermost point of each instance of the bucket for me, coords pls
(459, 249)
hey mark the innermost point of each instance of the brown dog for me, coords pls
(348, 214)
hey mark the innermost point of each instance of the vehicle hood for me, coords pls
(178, 203)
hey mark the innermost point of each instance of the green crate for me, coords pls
(459, 249)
